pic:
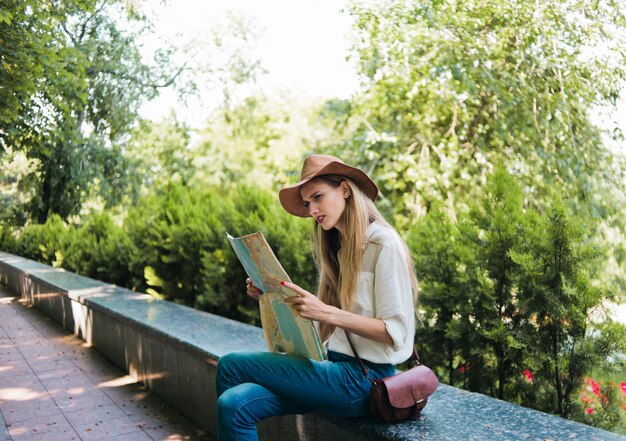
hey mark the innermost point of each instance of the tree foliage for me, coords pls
(259, 141)
(160, 152)
(450, 88)
(85, 83)
(26, 54)
(510, 292)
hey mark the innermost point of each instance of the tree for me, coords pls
(83, 101)
(558, 291)
(160, 152)
(25, 35)
(446, 338)
(493, 228)
(450, 88)
(13, 197)
(259, 141)
(469, 294)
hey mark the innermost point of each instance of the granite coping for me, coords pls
(451, 414)
(454, 414)
(188, 326)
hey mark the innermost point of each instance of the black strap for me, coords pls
(415, 356)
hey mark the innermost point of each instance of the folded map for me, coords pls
(285, 331)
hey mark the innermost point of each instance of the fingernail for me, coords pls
(282, 283)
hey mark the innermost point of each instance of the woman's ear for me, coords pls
(345, 190)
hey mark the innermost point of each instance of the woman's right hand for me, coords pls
(253, 291)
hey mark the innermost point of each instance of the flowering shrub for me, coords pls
(603, 403)
(529, 376)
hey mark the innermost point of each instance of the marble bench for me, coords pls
(174, 349)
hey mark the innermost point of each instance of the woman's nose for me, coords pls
(312, 210)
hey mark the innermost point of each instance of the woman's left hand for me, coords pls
(307, 305)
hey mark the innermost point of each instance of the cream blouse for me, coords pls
(383, 291)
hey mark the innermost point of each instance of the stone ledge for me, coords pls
(173, 349)
(187, 326)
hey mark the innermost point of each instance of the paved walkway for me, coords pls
(54, 387)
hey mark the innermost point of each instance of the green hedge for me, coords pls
(173, 245)
(102, 250)
(185, 256)
(45, 243)
(508, 292)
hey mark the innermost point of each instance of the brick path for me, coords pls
(54, 387)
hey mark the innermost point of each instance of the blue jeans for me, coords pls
(252, 386)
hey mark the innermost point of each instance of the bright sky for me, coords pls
(303, 46)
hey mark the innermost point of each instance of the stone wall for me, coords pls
(174, 350)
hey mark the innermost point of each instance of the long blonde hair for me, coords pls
(338, 257)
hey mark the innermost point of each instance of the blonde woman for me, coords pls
(367, 287)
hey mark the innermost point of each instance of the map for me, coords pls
(285, 331)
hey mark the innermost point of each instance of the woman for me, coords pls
(367, 287)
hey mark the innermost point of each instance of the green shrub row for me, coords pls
(173, 245)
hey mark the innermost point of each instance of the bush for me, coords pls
(252, 210)
(507, 294)
(180, 233)
(101, 250)
(8, 241)
(173, 245)
(45, 243)
(603, 404)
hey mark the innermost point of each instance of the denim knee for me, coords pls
(231, 359)
(228, 405)
(224, 367)
(224, 361)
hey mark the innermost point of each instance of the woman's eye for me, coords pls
(315, 198)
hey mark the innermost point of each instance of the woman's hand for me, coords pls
(312, 308)
(308, 305)
(252, 290)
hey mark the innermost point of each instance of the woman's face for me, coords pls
(325, 202)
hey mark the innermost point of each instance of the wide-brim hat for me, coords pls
(319, 165)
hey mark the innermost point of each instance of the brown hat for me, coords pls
(318, 165)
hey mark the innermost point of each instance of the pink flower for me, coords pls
(462, 368)
(623, 387)
(529, 376)
(590, 411)
(595, 387)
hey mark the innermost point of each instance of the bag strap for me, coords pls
(415, 356)
(356, 354)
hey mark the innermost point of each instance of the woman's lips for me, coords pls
(320, 219)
